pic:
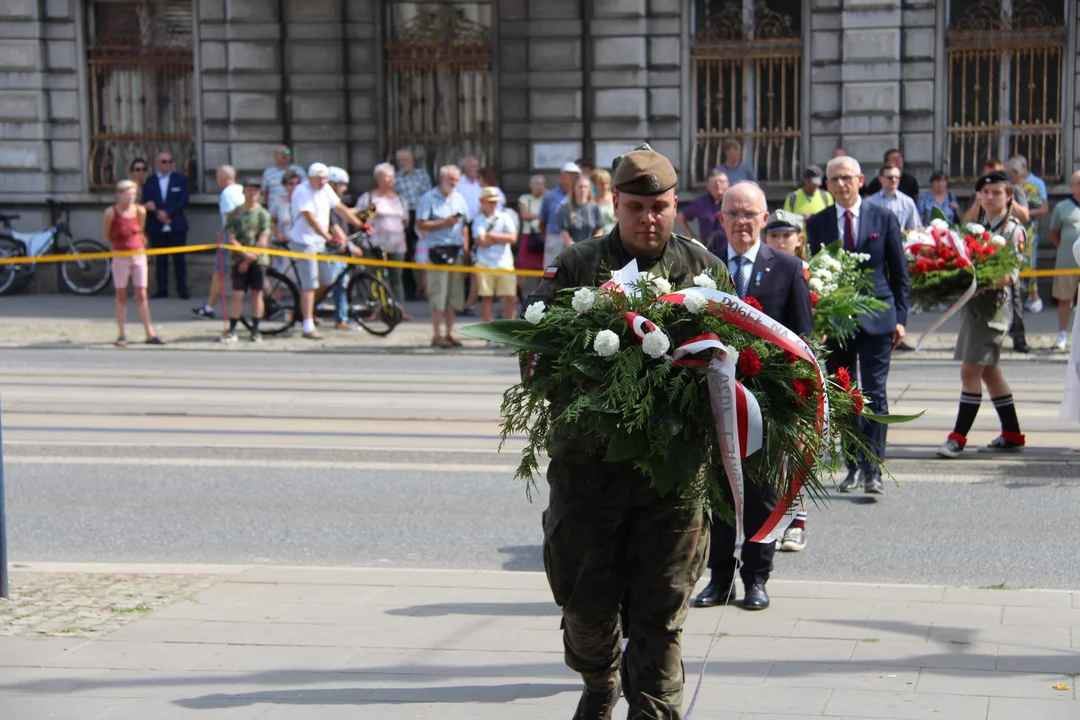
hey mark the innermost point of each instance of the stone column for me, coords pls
(41, 149)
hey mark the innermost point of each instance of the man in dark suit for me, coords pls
(165, 196)
(872, 230)
(776, 280)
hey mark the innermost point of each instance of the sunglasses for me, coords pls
(139, 168)
(284, 152)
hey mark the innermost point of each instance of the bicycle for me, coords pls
(371, 304)
(82, 277)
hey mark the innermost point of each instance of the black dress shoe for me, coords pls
(756, 598)
(716, 593)
(851, 482)
(1020, 345)
(873, 484)
(596, 705)
(184, 295)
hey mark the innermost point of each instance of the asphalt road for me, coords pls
(340, 459)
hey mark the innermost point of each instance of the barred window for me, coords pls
(1005, 84)
(439, 81)
(747, 60)
(141, 95)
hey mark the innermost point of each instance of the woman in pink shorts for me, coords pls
(123, 227)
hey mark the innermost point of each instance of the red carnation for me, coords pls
(963, 263)
(752, 302)
(804, 389)
(813, 297)
(843, 379)
(947, 254)
(939, 264)
(749, 363)
(923, 265)
(986, 236)
(857, 398)
(790, 358)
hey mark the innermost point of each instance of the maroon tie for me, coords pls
(849, 231)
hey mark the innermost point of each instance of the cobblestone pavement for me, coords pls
(89, 605)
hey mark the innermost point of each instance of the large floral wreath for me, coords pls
(690, 385)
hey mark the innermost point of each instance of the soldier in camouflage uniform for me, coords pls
(610, 539)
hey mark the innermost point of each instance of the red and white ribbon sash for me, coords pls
(738, 313)
(961, 249)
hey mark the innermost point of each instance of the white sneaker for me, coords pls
(1035, 306)
(1062, 341)
(794, 540)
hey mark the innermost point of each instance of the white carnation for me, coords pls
(704, 281)
(655, 344)
(535, 312)
(583, 300)
(909, 255)
(660, 285)
(833, 264)
(823, 275)
(939, 224)
(816, 285)
(862, 257)
(606, 343)
(976, 228)
(695, 302)
(998, 241)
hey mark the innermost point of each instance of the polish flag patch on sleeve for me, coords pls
(551, 272)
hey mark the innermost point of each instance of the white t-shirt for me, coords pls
(320, 205)
(470, 190)
(231, 198)
(499, 256)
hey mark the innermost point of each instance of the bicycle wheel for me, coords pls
(14, 278)
(281, 302)
(86, 277)
(372, 305)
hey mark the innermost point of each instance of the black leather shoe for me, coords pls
(873, 484)
(596, 705)
(716, 593)
(756, 598)
(851, 482)
(1020, 345)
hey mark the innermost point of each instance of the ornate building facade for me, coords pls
(88, 85)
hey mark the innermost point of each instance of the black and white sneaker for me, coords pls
(229, 337)
(951, 448)
(256, 336)
(1006, 442)
(207, 313)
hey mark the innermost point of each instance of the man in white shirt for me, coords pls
(312, 203)
(493, 233)
(232, 197)
(892, 199)
(469, 186)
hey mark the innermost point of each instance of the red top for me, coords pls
(127, 233)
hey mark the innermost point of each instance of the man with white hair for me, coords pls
(469, 186)
(440, 217)
(873, 230)
(312, 203)
(776, 280)
(232, 197)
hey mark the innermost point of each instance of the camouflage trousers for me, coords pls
(610, 543)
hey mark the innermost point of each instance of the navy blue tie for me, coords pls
(742, 275)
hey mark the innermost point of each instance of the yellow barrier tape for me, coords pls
(23, 260)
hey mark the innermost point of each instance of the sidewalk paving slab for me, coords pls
(276, 643)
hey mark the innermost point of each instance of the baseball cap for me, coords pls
(318, 170)
(490, 193)
(571, 167)
(813, 174)
(253, 182)
(643, 171)
(1016, 163)
(784, 221)
(337, 175)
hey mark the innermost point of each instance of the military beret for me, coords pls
(998, 177)
(643, 171)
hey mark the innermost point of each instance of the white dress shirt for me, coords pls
(841, 211)
(733, 267)
(163, 185)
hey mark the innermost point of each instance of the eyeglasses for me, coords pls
(843, 178)
(890, 177)
(748, 216)
(165, 162)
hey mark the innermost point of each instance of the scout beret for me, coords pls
(998, 177)
(643, 171)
